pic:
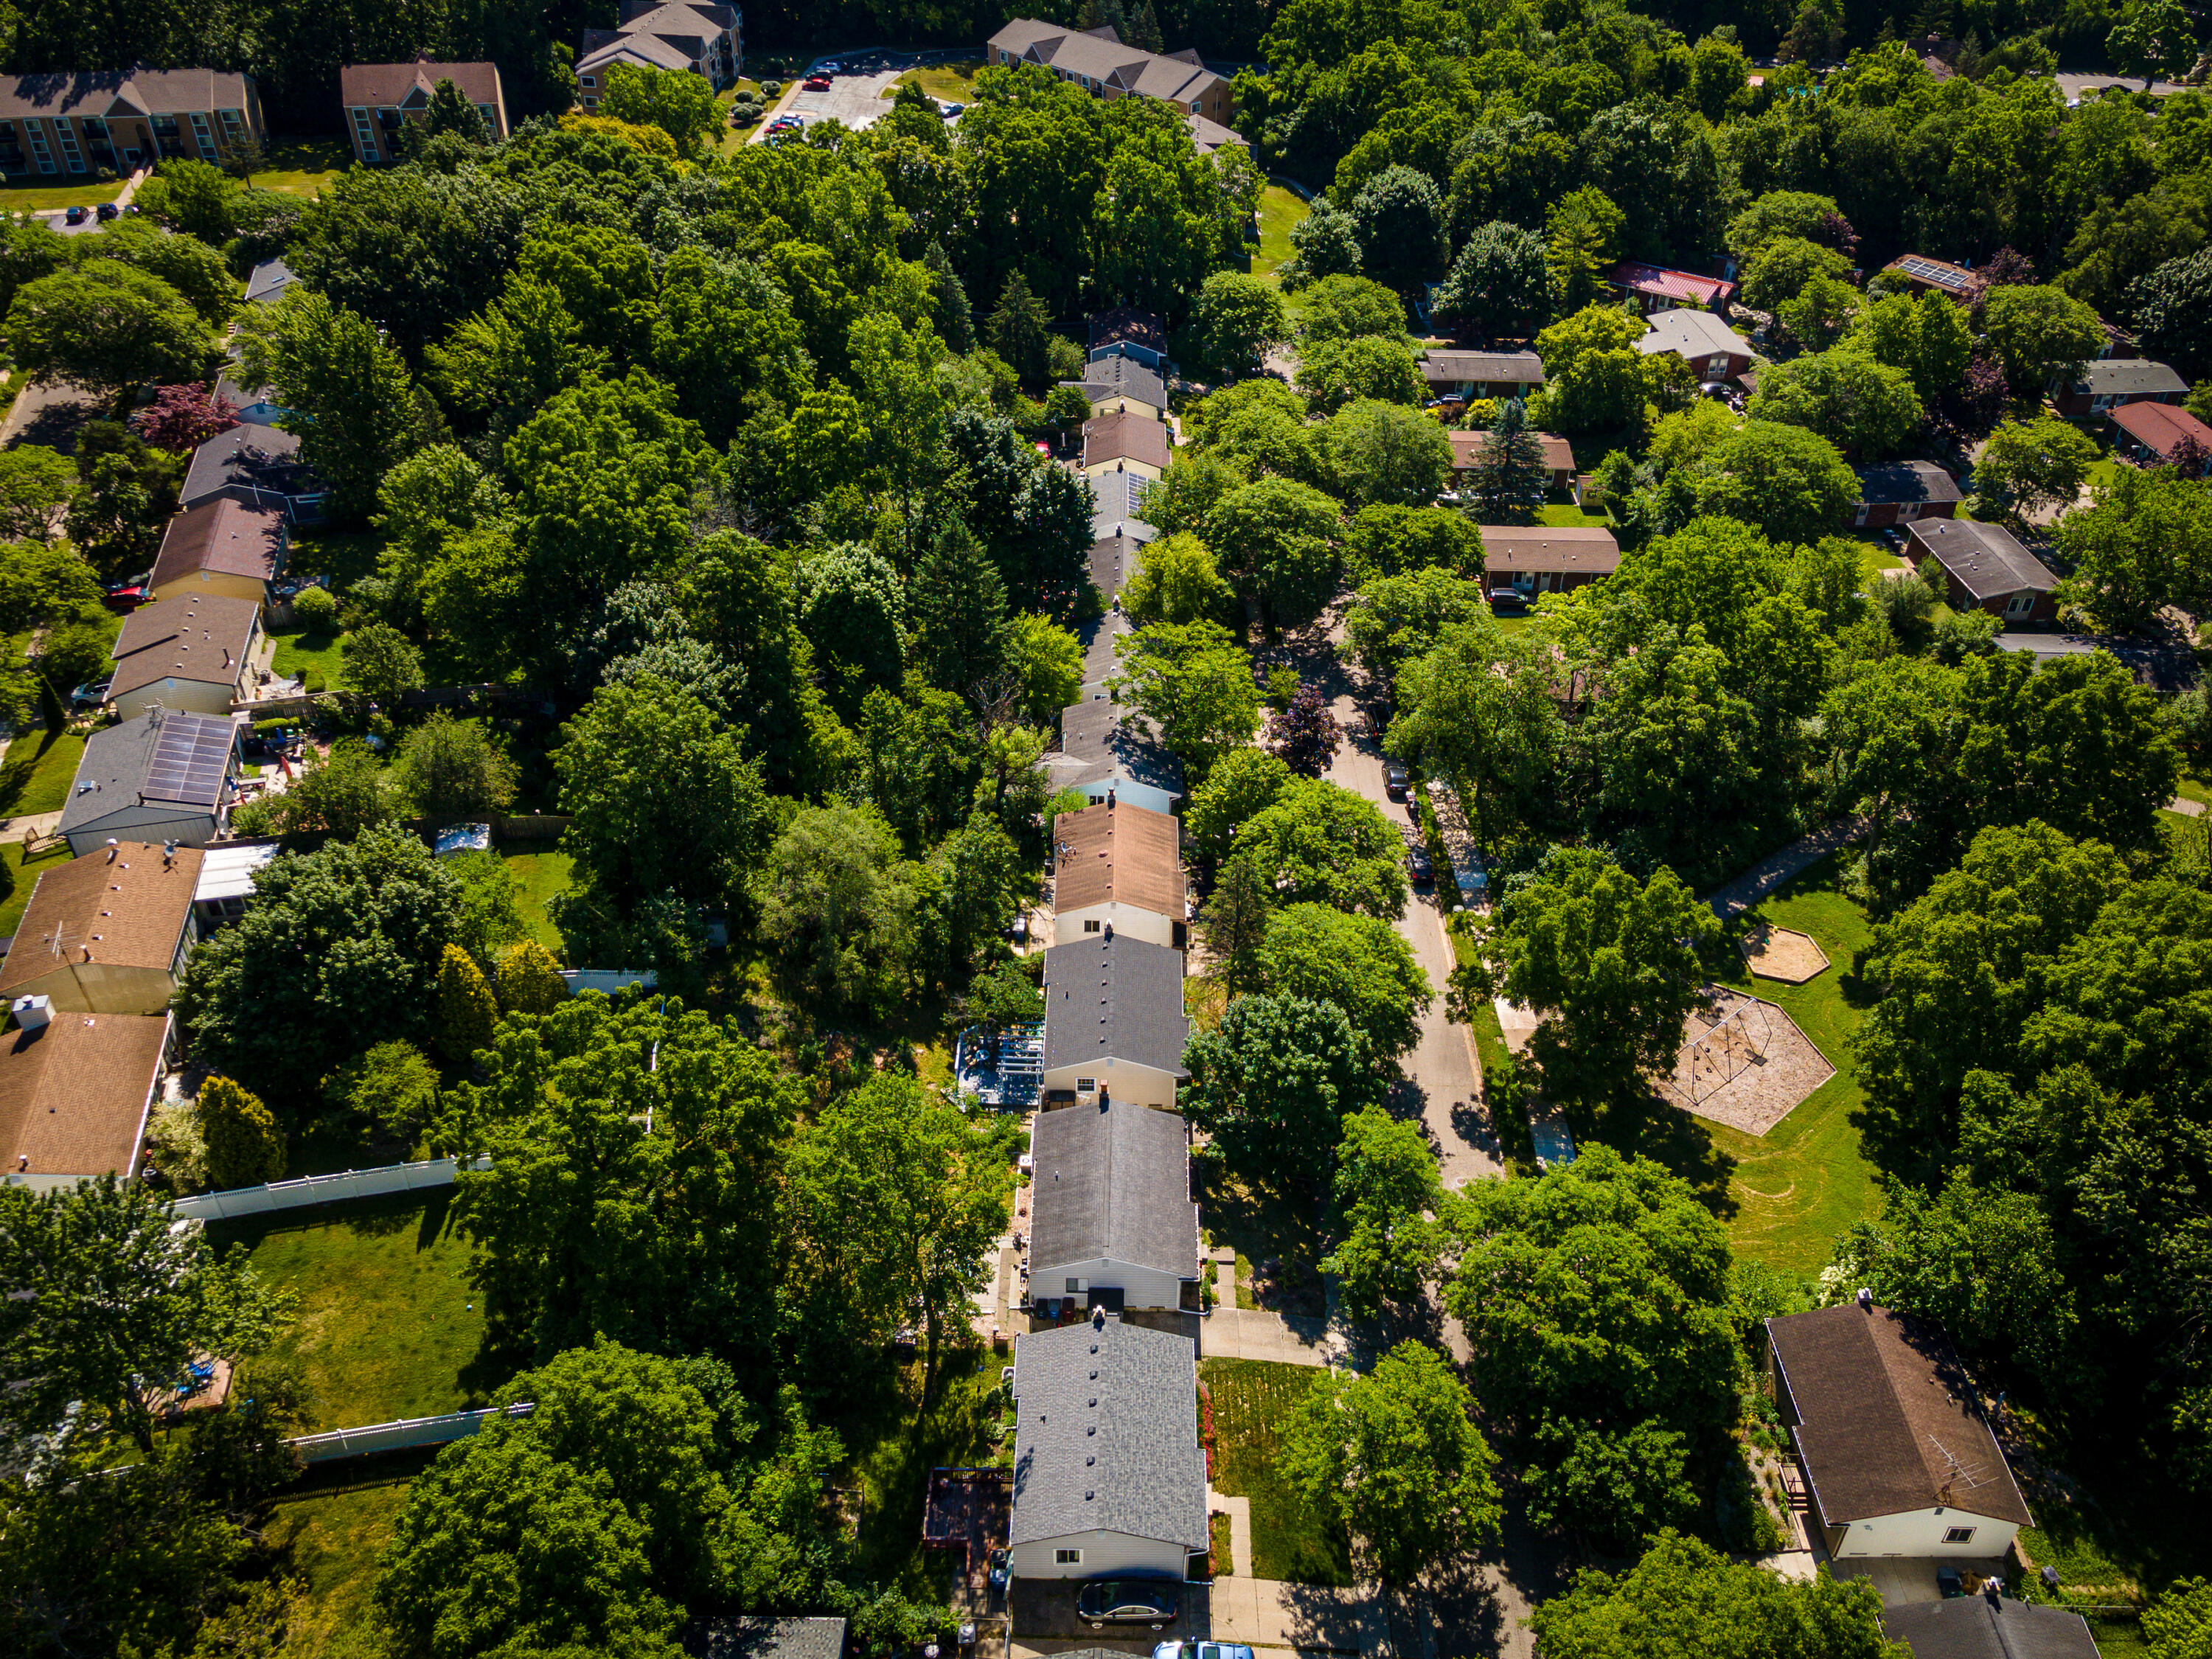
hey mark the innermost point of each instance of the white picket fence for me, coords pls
(399, 1436)
(319, 1189)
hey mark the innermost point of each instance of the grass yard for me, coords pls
(1567, 516)
(332, 1526)
(345, 556)
(892, 1448)
(385, 1327)
(302, 166)
(1252, 1400)
(36, 774)
(45, 199)
(542, 875)
(12, 907)
(953, 83)
(2192, 787)
(1280, 210)
(300, 652)
(1873, 558)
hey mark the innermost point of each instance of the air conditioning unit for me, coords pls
(31, 1013)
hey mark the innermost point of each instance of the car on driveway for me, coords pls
(951, 112)
(1419, 867)
(90, 695)
(1128, 1601)
(1394, 780)
(1508, 602)
(127, 596)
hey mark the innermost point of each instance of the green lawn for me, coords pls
(1280, 210)
(12, 907)
(1568, 516)
(1874, 558)
(2192, 787)
(954, 83)
(386, 1325)
(300, 652)
(44, 198)
(333, 1525)
(344, 555)
(301, 166)
(542, 875)
(1252, 1400)
(36, 774)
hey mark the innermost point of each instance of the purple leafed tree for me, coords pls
(183, 417)
(1305, 736)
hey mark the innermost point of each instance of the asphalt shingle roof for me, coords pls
(262, 457)
(1114, 999)
(2108, 377)
(117, 769)
(74, 1094)
(1690, 333)
(1907, 481)
(1987, 558)
(1096, 744)
(1117, 376)
(1117, 499)
(771, 1638)
(1112, 1183)
(1450, 367)
(124, 907)
(1969, 1627)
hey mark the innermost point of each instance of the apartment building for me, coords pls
(705, 39)
(66, 123)
(380, 99)
(1098, 61)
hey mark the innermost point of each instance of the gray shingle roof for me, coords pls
(2107, 377)
(1112, 1183)
(1968, 1627)
(250, 457)
(1907, 481)
(1106, 1435)
(267, 282)
(1117, 499)
(1112, 560)
(1453, 367)
(1117, 999)
(1098, 55)
(118, 767)
(771, 1638)
(1691, 333)
(1122, 376)
(1986, 558)
(1096, 744)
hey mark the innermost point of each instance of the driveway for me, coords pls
(858, 100)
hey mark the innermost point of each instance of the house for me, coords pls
(193, 653)
(1100, 658)
(1119, 866)
(226, 882)
(1116, 501)
(1103, 754)
(1926, 276)
(1897, 1454)
(2152, 432)
(2106, 383)
(380, 99)
(1898, 492)
(1124, 443)
(224, 547)
(1113, 1220)
(1559, 456)
(1109, 1475)
(697, 36)
(1114, 1025)
(1987, 570)
(1126, 331)
(1547, 558)
(1655, 287)
(1987, 1627)
(259, 465)
(107, 933)
(1118, 385)
(76, 1090)
(1113, 558)
(266, 282)
(768, 1639)
(78, 122)
(1466, 374)
(1713, 351)
(1206, 136)
(1098, 61)
(163, 775)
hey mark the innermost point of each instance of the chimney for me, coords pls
(31, 1013)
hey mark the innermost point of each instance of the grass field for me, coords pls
(12, 907)
(1568, 516)
(333, 1526)
(36, 774)
(45, 199)
(954, 83)
(299, 651)
(302, 166)
(1252, 1400)
(387, 1326)
(1280, 210)
(542, 875)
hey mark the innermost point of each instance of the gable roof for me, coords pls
(1130, 437)
(1099, 657)
(1687, 287)
(1886, 1426)
(224, 535)
(1987, 559)
(1096, 744)
(1117, 376)
(1689, 333)
(2161, 427)
(1112, 1183)
(770, 1638)
(409, 86)
(648, 50)
(1106, 1435)
(200, 637)
(1113, 558)
(1206, 136)
(1974, 1627)
(1126, 325)
(1450, 367)
(268, 282)
(266, 457)
(1114, 999)
(125, 907)
(1907, 481)
(1098, 55)
(1549, 547)
(1467, 450)
(2105, 377)
(1118, 854)
(165, 756)
(74, 1094)
(123, 92)
(1117, 500)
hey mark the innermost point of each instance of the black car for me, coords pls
(1418, 866)
(1128, 1601)
(106, 211)
(1394, 780)
(1507, 602)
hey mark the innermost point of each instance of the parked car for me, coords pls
(1419, 867)
(817, 83)
(951, 112)
(1128, 1601)
(90, 695)
(1508, 602)
(1201, 1650)
(106, 211)
(127, 596)
(75, 216)
(1394, 780)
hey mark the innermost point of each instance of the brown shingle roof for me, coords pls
(117, 93)
(223, 536)
(127, 911)
(1888, 1425)
(1132, 437)
(1124, 854)
(391, 86)
(195, 636)
(74, 1094)
(1466, 449)
(1549, 547)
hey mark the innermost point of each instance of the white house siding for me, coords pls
(1920, 1532)
(1141, 1287)
(147, 824)
(1104, 1555)
(193, 697)
(1127, 1080)
(1133, 919)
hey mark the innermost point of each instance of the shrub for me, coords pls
(245, 1147)
(180, 1148)
(393, 1086)
(316, 610)
(530, 981)
(466, 1008)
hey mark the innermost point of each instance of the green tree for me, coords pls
(1507, 483)
(2153, 38)
(1193, 684)
(1346, 307)
(1334, 372)
(1387, 1195)
(1782, 267)
(1277, 539)
(959, 607)
(2039, 332)
(100, 1302)
(2029, 466)
(451, 772)
(378, 661)
(1398, 541)
(529, 979)
(1582, 232)
(837, 905)
(1478, 708)
(1233, 926)
(1235, 321)
(680, 103)
(1384, 453)
(2144, 540)
(1177, 581)
(1929, 338)
(1863, 407)
(245, 1147)
(2179, 1624)
(1020, 329)
(467, 1011)
(1318, 842)
(1399, 218)
(191, 198)
(338, 793)
(1358, 962)
(1393, 1458)
(1821, 314)
(1272, 1083)
(106, 326)
(352, 389)
(1594, 374)
(1325, 243)
(725, 337)
(1789, 482)
(2168, 305)
(35, 486)
(1243, 784)
(393, 1089)
(1395, 619)
(1045, 662)
(1500, 283)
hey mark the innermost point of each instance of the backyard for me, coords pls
(304, 655)
(36, 774)
(541, 875)
(1280, 210)
(333, 1524)
(1252, 1399)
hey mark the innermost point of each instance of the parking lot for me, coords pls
(858, 100)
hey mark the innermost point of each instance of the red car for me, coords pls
(127, 596)
(817, 83)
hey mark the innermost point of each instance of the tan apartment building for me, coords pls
(75, 123)
(381, 98)
(1098, 61)
(692, 35)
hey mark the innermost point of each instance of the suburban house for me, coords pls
(1898, 492)
(2152, 432)
(1468, 374)
(1116, 500)
(1113, 1220)
(164, 776)
(1112, 560)
(266, 282)
(1926, 276)
(259, 465)
(758, 1637)
(380, 99)
(65, 122)
(2106, 383)
(1547, 558)
(106, 934)
(1100, 658)
(705, 39)
(226, 882)
(1119, 866)
(1101, 755)
(1114, 1025)
(1897, 1454)
(1109, 1475)
(1117, 385)
(1124, 443)
(1987, 570)
(256, 405)
(224, 547)
(1713, 351)
(1655, 287)
(1126, 331)
(1559, 456)
(195, 652)
(76, 1090)
(1989, 1627)
(1097, 61)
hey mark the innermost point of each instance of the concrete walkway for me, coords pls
(1266, 1613)
(1239, 1511)
(1778, 869)
(2186, 808)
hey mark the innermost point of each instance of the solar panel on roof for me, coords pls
(191, 756)
(1929, 272)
